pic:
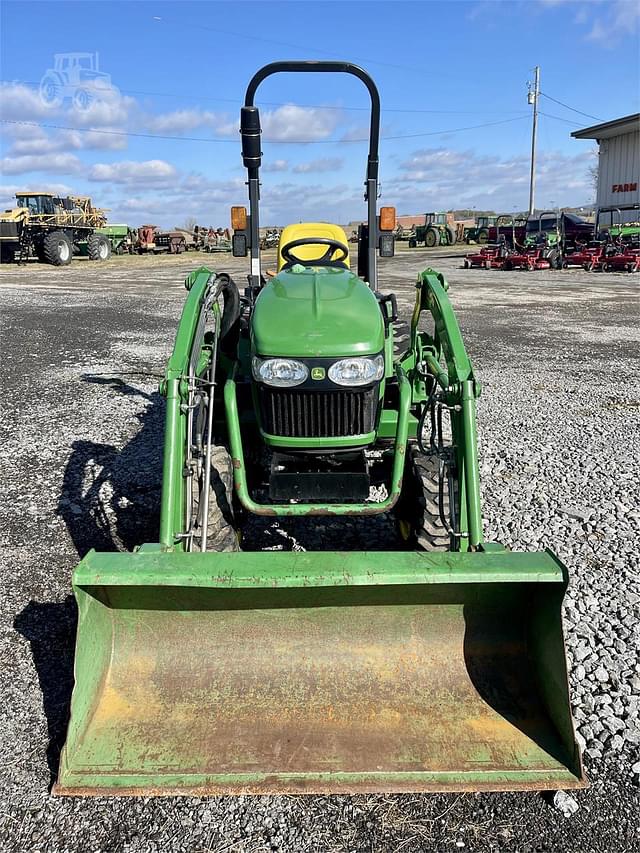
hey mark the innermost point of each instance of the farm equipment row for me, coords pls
(606, 256)
(550, 241)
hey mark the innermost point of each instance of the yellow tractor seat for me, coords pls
(313, 251)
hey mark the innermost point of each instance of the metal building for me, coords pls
(618, 162)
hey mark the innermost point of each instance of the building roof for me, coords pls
(627, 124)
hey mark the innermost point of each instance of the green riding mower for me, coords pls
(204, 668)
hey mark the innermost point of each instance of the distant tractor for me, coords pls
(53, 229)
(438, 230)
(479, 233)
(76, 76)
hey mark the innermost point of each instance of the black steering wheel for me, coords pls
(332, 246)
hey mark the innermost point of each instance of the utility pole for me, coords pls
(533, 99)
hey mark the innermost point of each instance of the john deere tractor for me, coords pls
(205, 668)
(437, 230)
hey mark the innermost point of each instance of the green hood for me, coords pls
(317, 311)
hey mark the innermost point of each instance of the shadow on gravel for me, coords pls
(110, 501)
(50, 629)
(110, 498)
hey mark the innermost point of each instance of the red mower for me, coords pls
(588, 257)
(528, 259)
(627, 260)
(488, 258)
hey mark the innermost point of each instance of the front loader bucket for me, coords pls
(319, 672)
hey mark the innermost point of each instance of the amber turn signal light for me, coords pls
(239, 218)
(387, 218)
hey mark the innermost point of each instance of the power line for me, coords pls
(565, 120)
(267, 141)
(307, 48)
(239, 100)
(573, 109)
(452, 130)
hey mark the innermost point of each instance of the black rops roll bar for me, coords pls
(252, 155)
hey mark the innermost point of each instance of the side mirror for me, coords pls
(387, 245)
(239, 245)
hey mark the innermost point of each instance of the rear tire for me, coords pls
(417, 511)
(483, 237)
(98, 247)
(57, 249)
(431, 238)
(221, 531)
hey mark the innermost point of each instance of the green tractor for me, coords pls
(205, 668)
(479, 233)
(437, 230)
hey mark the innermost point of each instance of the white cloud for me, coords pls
(181, 121)
(291, 123)
(39, 142)
(21, 103)
(275, 166)
(610, 20)
(621, 18)
(132, 172)
(110, 112)
(441, 178)
(306, 124)
(60, 164)
(323, 164)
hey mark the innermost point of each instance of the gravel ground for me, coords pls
(82, 350)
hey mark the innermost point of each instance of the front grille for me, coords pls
(294, 413)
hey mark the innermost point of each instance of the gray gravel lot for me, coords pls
(557, 353)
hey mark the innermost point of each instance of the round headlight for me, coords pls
(280, 372)
(357, 371)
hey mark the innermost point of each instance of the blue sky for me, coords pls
(180, 70)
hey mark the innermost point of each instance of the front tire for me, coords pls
(221, 530)
(418, 512)
(451, 235)
(98, 247)
(57, 249)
